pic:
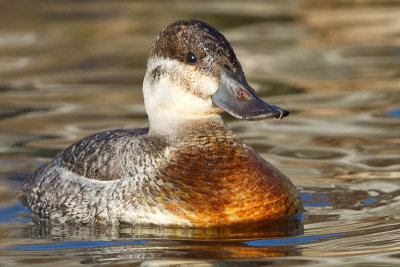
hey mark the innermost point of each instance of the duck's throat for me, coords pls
(182, 127)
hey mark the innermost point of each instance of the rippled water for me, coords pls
(71, 68)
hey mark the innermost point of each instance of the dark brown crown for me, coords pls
(210, 47)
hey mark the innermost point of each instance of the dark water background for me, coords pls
(71, 68)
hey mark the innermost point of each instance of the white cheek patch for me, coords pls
(172, 97)
(169, 91)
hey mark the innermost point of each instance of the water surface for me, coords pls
(71, 68)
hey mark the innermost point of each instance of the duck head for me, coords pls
(193, 73)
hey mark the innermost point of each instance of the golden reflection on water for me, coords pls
(68, 69)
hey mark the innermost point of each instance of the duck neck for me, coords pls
(178, 128)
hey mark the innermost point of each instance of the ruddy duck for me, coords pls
(188, 168)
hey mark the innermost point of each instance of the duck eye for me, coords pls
(191, 58)
(243, 94)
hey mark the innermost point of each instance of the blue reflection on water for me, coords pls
(395, 113)
(82, 244)
(288, 240)
(9, 213)
(369, 200)
(313, 200)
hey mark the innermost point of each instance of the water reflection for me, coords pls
(127, 242)
(41, 228)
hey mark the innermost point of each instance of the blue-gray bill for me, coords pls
(237, 98)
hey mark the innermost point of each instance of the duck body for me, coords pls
(208, 177)
(188, 168)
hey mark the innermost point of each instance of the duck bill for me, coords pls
(237, 98)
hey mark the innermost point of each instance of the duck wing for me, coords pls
(105, 156)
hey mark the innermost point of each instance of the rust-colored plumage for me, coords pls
(217, 179)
